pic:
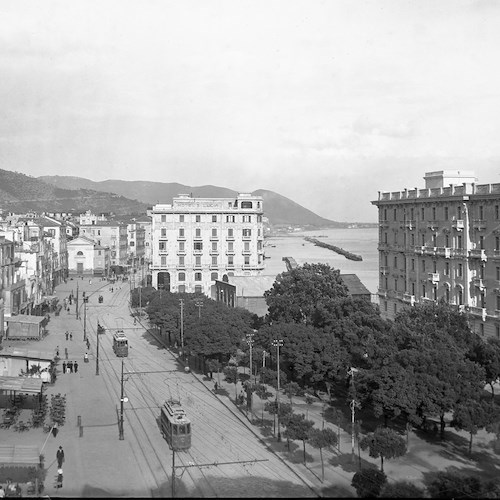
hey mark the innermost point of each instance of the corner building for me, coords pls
(442, 242)
(196, 241)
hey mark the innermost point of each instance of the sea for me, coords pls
(360, 241)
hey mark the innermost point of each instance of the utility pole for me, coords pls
(264, 354)
(353, 404)
(76, 300)
(278, 343)
(182, 325)
(249, 340)
(85, 319)
(97, 350)
(121, 437)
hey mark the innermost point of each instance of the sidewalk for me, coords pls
(96, 464)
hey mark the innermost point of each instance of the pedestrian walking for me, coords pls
(64, 366)
(216, 386)
(70, 300)
(55, 430)
(86, 358)
(90, 282)
(67, 334)
(88, 344)
(59, 477)
(60, 457)
(66, 352)
(57, 351)
(70, 366)
(75, 365)
(70, 336)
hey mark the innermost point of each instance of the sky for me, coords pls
(324, 102)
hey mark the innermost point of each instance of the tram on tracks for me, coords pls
(175, 426)
(120, 344)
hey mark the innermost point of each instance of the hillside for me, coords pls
(21, 193)
(279, 209)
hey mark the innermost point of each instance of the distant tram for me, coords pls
(175, 426)
(120, 343)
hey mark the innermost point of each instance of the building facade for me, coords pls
(112, 234)
(196, 241)
(442, 242)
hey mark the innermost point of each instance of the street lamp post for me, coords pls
(85, 300)
(249, 340)
(199, 304)
(278, 343)
(181, 301)
(122, 400)
(99, 329)
(353, 405)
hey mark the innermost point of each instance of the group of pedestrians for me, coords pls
(68, 335)
(69, 366)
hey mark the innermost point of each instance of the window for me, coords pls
(214, 260)
(182, 288)
(412, 213)
(214, 246)
(460, 297)
(214, 276)
(99, 252)
(460, 270)
(385, 260)
(181, 218)
(413, 264)
(214, 232)
(423, 290)
(412, 239)
(246, 204)
(230, 246)
(385, 238)
(434, 292)
(230, 218)
(181, 232)
(163, 218)
(214, 218)
(197, 261)
(181, 246)
(497, 212)
(422, 213)
(481, 212)
(197, 218)
(498, 273)
(481, 242)
(446, 215)
(163, 261)
(163, 232)
(385, 214)
(386, 282)
(395, 262)
(423, 266)
(434, 240)
(230, 260)
(459, 212)
(395, 214)
(182, 277)
(497, 243)
(259, 218)
(481, 272)
(385, 305)
(247, 218)
(198, 289)
(246, 247)
(447, 240)
(395, 238)
(481, 328)
(433, 213)
(198, 245)
(395, 284)
(230, 233)
(447, 268)
(162, 246)
(197, 233)
(423, 240)
(80, 253)
(395, 309)
(181, 260)
(247, 232)
(447, 294)
(197, 276)
(247, 260)
(459, 241)
(413, 288)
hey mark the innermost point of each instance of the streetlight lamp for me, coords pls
(278, 343)
(199, 304)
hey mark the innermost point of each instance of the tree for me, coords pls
(213, 365)
(472, 415)
(455, 485)
(263, 394)
(401, 489)
(291, 389)
(322, 439)
(298, 428)
(384, 443)
(368, 482)
(487, 354)
(284, 411)
(231, 376)
(297, 294)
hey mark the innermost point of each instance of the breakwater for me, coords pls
(341, 251)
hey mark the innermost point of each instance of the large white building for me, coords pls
(442, 242)
(196, 241)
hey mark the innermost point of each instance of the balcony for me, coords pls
(214, 237)
(214, 267)
(479, 224)
(434, 277)
(246, 252)
(478, 311)
(246, 238)
(409, 299)
(181, 237)
(426, 300)
(419, 250)
(230, 238)
(443, 252)
(198, 237)
(383, 223)
(410, 224)
(214, 252)
(479, 283)
(495, 313)
(496, 254)
(458, 252)
(384, 270)
(478, 253)
(383, 293)
(197, 251)
(433, 225)
(230, 252)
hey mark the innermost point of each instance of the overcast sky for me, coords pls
(324, 102)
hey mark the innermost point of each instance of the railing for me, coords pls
(454, 190)
(478, 254)
(479, 283)
(479, 224)
(408, 298)
(384, 270)
(457, 224)
(444, 252)
(478, 311)
(434, 277)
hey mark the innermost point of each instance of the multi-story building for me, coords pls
(196, 241)
(442, 242)
(112, 234)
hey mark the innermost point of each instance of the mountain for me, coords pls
(279, 209)
(21, 193)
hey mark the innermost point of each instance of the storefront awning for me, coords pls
(23, 385)
(19, 455)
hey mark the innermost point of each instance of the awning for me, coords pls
(23, 385)
(19, 455)
(24, 352)
(26, 318)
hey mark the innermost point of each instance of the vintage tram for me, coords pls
(175, 426)
(120, 344)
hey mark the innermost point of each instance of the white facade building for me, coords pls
(196, 241)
